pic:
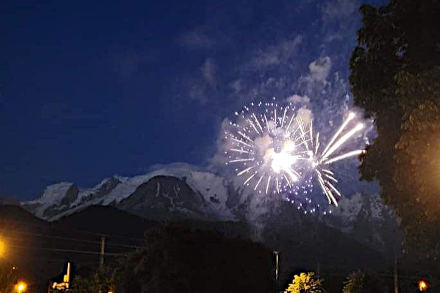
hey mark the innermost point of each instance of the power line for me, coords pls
(49, 226)
(72, 239)
(68, 250)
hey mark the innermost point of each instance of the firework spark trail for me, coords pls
(245, 170)
(344, 156)
(351, 115)
(336, 142)
(276, 159)
(327, 191)
(341, 141)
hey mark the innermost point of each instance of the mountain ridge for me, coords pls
(182, 191)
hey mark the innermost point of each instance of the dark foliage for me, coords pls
(395, 70)
(364, 282)
(177, 259)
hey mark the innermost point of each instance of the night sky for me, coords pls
(89, 89)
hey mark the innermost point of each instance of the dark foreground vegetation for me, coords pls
(178, 259)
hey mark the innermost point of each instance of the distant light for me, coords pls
(2, 248)
(423, 285)
(20, 287)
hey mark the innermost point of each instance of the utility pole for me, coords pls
(276, 254)
(396, 277)
(102, 252)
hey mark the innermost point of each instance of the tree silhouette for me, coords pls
(395, 70)
(101, 281)
(176, 259)
(363, 282)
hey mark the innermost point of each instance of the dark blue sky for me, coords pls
(89, 89)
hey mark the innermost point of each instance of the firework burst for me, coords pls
(274, 150)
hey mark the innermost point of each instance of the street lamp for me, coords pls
(20, 287)
(423, 285)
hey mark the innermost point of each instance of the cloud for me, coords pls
(296, 99)
(217, 162)
(340, 20)
(197, 91)
(197, 39)
(320, 68)
(204, 84)
(339, 10)
(208, 71)
(278, 53)
(269, 71)
(304, 114)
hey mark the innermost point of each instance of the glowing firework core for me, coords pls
(282, 161)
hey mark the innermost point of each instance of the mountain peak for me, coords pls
(165, 197)
(58, 195)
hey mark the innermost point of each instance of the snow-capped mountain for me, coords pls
(184, 185)
(185, 191)
(54, 199)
